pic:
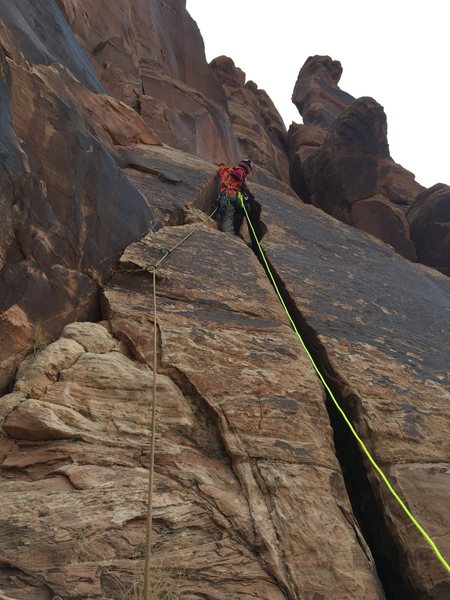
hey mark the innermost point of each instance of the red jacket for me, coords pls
(231, 180)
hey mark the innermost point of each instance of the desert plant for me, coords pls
(39, 338)
(165, 585)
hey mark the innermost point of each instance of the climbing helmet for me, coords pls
(246, 164)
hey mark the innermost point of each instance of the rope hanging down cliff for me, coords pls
(152, 269)
(339, 408)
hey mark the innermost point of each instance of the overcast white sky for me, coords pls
(395, 51)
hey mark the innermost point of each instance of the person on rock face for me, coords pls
(232, 189)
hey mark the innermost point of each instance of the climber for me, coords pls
(232, 190)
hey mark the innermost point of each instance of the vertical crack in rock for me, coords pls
(365, 504)
(208, 419)
(215, 422)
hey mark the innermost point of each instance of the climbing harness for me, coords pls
(336, 403)
(224, 200)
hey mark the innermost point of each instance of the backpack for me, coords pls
(230, 180)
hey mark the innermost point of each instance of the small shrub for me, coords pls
(39, 339)
(165, 585)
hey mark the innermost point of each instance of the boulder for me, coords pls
(429, 219)
(340, 157)
(353, 165)
(385, 221)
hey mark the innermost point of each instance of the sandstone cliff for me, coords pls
(111, 122)
(340, 162)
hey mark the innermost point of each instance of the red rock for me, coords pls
(352, 166)
(65, 201)
(340, 157)
(378, 320)
(384, 220)
(168, 81)
(186, 120)
(429, 218)
(250, 497)
(316, 93)
(170, 180)
(123, 61)
(257, 124)
(38, 32)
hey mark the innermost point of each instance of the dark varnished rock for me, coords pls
(340, 157)
(381, 323)
(429, 218)
(68, 210)
(51, 43)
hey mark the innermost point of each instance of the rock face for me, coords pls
(117, 34)
(353, 178)
(429, 219)
(69, 211)
(167, 80)
(367, 313)
(260, 489)
(172, 86)
(340, 158)
(249, 491)
(257, 124)
(250, 497)
(316, 93)
(53, 43)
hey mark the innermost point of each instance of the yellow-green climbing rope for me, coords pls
(344, 416)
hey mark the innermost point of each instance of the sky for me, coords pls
(395, 51)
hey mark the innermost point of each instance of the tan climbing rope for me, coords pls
(152, 455)
(151, 474)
